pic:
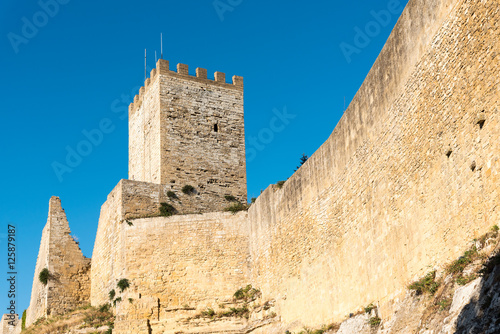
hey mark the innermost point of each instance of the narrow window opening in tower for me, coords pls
(216, 128)
(448, 154)
(159, 307)
(481, 123)
(150, 330)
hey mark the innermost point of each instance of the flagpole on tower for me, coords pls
(161, 45)
(145, 65)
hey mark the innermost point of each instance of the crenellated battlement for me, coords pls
(182, 71)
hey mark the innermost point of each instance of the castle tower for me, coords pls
(189, 130)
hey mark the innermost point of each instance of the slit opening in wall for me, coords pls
(448, 153)
(473, 166)
(481, 119)
(216, 128)
(481, 123)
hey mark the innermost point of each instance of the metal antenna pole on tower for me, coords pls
(161, 45)
(145, 65)
(155, 57)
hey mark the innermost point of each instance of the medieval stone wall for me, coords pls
(200, 248)
(408, 178)
(68, 286)
(181, 265)
(6, 324)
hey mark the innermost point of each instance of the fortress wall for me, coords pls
(38, 301)
(120, 253)
(69, 284)
(181, 262)
(381, 203)
(107, 264)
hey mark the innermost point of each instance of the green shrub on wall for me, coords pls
(167, 210)
(188, 189)
(23, 320)
(44, 276)
(123, 284)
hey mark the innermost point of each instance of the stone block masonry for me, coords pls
(189, 130)
(6, 325)
(178, 263)
(408, 178)
(68, 286)
(125, 244)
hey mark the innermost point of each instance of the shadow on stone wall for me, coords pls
(482, 314)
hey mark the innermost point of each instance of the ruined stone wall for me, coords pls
(38, 301)
(195, 249)
(6, 324)
(408, 178)
(189, 130)
(68, 286)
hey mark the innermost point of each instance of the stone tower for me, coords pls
(189, 130)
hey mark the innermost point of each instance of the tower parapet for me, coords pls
(163, 67)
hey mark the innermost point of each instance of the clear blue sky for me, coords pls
(84, 61)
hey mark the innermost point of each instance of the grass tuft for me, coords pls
(236, 207)
(427, 284)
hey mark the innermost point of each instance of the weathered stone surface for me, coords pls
(405, 182)
(9, 325)
(69, 284)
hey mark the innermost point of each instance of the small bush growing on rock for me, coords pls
(374, 321)
(44, 276)
(188, 189)
(230, 198)
(104, 308)
(123, 284)
(208, 312)
(444, 304)
(247, 293)
(369, 308)
(462, 280)
(167, 210)
(425, 284)
(112, 294)
(117, 300)
(236, 207)
(458, 266)
(280, 184)
(252, 200)
(171, 195)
